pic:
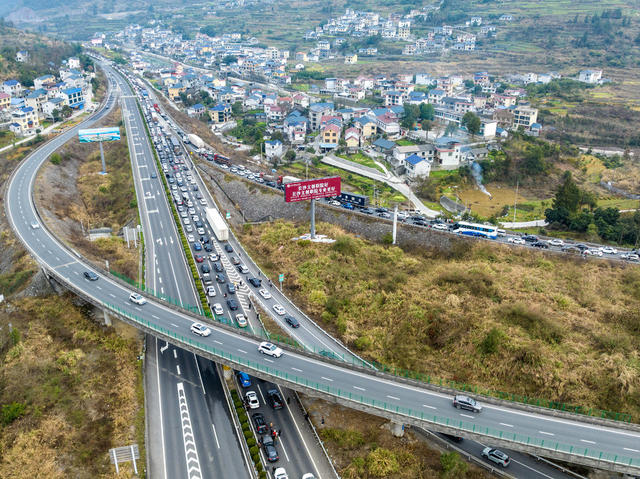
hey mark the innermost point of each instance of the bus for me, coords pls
(175, 144)
(474, 229)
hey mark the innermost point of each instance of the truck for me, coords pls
(222, 160)
(154, 117)
(195, 140)
(357, 200)
(217, 224)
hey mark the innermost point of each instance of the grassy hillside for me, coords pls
(508, 319)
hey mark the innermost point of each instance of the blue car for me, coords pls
(244, 379)
(197, 246)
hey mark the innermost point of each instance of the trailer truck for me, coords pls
(195, 140)
(217, 224)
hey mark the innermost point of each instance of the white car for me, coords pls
(211, 291)
(252, 399)
(137, 299)
(217, 308)
(200, 231)
(192, 211)
(630, 257)
(441, 227)
(200, 329)
(556, 242)
(35, 225)
(279, 309)
(280, 473)
(308, 475)
(195, 218)
(264, 293)
(593, 252)
(270, 349)
(203, 202)
(188, 228)
(515, 240)
(191, 238)
(187, 221)
(242, 321)
(609, 250)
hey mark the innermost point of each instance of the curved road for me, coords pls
(356, 386)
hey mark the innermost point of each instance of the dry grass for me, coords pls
(73, 195)
(78, 383)
(355, 442)
(567, 329)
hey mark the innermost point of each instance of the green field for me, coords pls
(363, 160)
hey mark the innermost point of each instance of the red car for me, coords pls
(198, 258)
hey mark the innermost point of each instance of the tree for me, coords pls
(472, 122)
(426, 188)
(452, 465)
(426, 125)
(450, 129)
(427, 111)
(290, 156)
(236, 108)
(228, 59)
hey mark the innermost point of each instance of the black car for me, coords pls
(204, 267)
(367, 211)
(204, 239)
(453, 438)
(153, 175)
(582, 247)
(218, 267)
(220, 278)
(228, 248)
(465, 402)
(255, 282)
(208, 248)
(231, 289)
(260, 423)
(275, 399)
(530, 238)
(540, 244)
(293, 322)
(269, 449)
(235, 260)
(272, 184)
(195, 187)
(233, 304)
(91, 276)
(199, 224)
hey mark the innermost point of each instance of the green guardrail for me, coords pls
(400, 372)
(523, 439)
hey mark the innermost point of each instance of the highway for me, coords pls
(301, 457)
(179, 376)
(355, 386)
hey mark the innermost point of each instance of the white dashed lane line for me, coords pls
(506, 425)
(546, 433)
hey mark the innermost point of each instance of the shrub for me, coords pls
(251, 441)
(382, 462)
(55, 158)
(452, 465)
(492, 341)
(387, 238)
(537, 325)
(11, 412)
(247, 434)
(254, 451)
(344, 438)
(262, 475)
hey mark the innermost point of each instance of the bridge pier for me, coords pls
(227, 372)
(107, 318)
(397, 429)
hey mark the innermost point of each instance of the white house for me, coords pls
(53, 104)
(273, 148)
(416, 166)
(590, 76)
(74, 62)
(12, 87)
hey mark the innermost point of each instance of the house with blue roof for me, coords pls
(273, 148)
(417, 97)
(12, 87)
(383, 146)
(73, 97)
(24, 121)
(36, 99)
(196, 110)
(367, 126)
(221, 113)
(416, 166)
(41, 81)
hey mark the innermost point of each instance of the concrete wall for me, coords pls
(250, 202)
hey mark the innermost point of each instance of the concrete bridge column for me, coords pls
(397, 429)
(226, 371)
(107, 318)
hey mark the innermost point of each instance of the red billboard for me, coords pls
(312, 189)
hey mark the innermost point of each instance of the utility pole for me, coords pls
(395, 224)
(515, 201)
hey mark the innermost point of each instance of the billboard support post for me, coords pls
(395, 224)
(104, 166)
(313, 219)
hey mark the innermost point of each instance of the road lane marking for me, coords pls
(393, 397)
(430, 407)
(588, 442)
(466, 415)
(215, 435)
(154, 316)
(98, 287)
(190, 448)
(216, 341)
(629, 449)
(242, 351)
(178, 368)
(269, 360)
(326, 379)
(547, 433)
(175, 354)
(505, 424)
(296, 369)
(112, 295)
(359, 388)
(174, 325)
